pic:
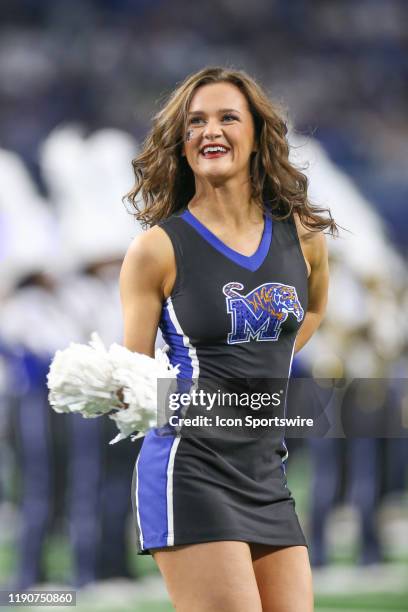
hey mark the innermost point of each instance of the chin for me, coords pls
(219, 172)
(217, 177)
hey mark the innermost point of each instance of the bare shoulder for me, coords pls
(149, 259)
(313, 243)
(151, 246)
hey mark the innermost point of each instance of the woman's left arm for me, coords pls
(318, 285)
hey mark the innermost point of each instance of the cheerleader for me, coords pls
(233, 270)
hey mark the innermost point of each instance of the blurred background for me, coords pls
(79, 83)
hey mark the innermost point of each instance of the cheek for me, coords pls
(192, 157)
(242, 139)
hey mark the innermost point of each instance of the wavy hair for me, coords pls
(164, 181)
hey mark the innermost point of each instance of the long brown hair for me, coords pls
(164, 182)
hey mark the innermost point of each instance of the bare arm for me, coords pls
(146, 279)
(315, 250)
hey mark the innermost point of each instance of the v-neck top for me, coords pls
(231, 328)
(251, 262)
(229, 314)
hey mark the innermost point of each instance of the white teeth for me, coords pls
(214, 150)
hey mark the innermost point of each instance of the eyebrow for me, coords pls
(221, 110)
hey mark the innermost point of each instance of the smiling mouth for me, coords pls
(214, 152)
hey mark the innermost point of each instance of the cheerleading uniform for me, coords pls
(231, 320)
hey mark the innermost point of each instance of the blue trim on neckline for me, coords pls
(251, 262)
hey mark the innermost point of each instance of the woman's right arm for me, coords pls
(146, 280)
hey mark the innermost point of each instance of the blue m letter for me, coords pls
(246, 325)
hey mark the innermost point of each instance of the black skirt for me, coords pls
(220, 485)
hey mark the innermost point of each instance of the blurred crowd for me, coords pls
(79, 82)
(60, 274)
(339, 66)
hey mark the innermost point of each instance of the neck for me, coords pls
(225, 205)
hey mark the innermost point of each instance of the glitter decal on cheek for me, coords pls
(193, 134)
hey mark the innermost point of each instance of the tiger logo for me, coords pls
(259, 314)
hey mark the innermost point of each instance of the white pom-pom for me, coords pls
(92, 380)
(80, 380)
(137, 376)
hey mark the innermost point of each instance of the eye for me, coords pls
(195, 119)
(227, 116)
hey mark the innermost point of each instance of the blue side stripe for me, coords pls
(178, 352)
(152, 488)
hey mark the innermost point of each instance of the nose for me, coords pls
(212, 130)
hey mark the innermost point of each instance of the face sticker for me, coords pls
(193, 133)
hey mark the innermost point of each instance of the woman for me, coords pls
(234, 271)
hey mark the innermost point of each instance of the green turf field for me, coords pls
(103, 599)
(385, 603)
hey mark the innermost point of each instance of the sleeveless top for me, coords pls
(231, 316)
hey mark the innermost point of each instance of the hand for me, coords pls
(119, 395)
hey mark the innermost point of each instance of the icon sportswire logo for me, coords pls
(259, 314)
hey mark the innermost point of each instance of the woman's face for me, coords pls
(219, 116)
